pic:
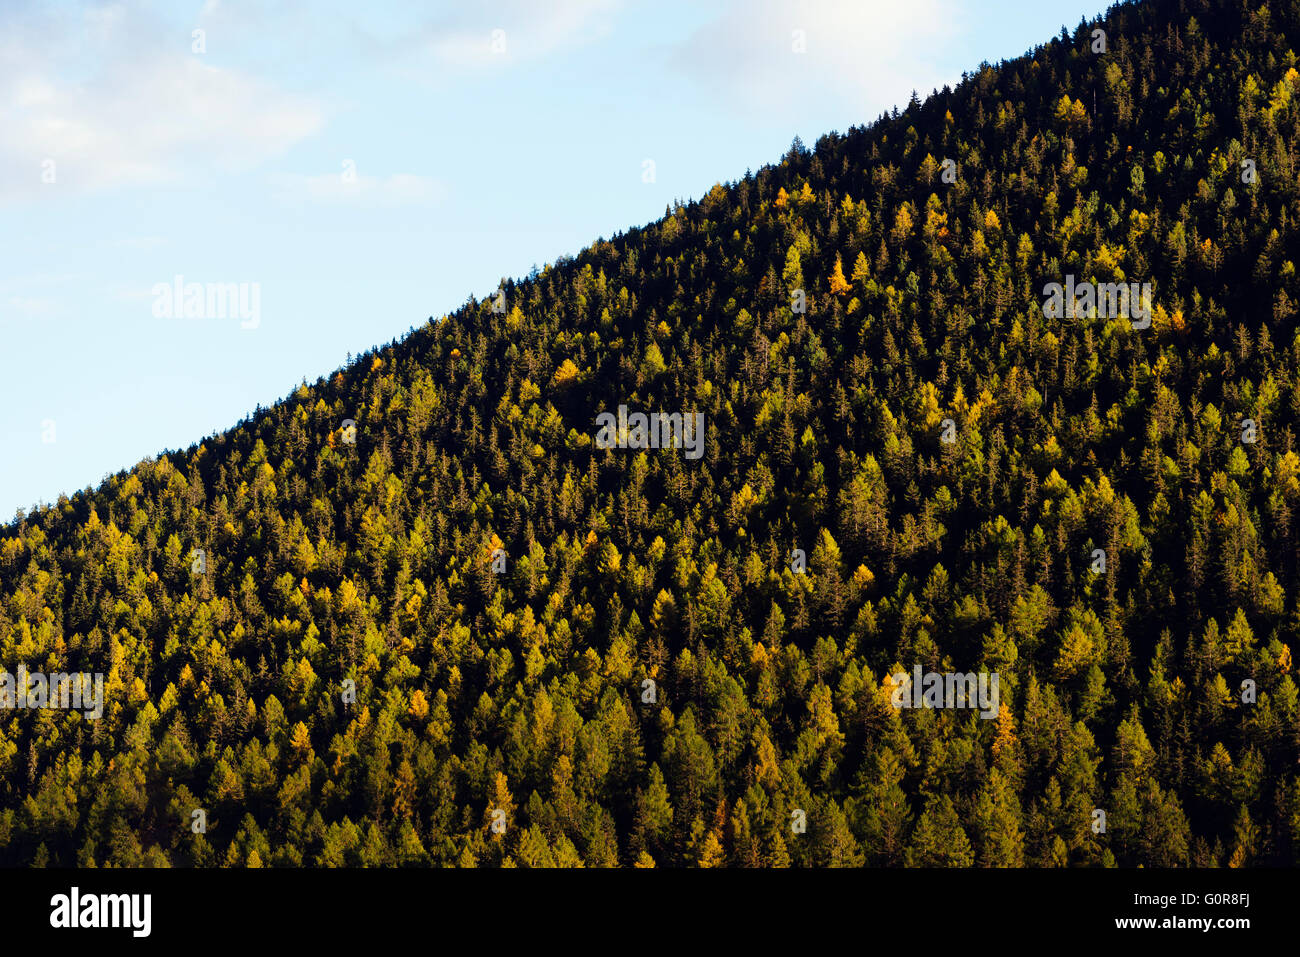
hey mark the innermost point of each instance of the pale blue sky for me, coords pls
(471, 163)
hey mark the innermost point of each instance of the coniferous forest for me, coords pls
(415, 615)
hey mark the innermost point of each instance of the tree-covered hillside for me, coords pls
(459, 633)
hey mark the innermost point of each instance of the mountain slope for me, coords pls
(350, 676)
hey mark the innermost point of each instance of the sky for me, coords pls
(342, 172)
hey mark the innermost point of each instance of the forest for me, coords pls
(414, 614)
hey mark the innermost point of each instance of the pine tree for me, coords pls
(939, 839)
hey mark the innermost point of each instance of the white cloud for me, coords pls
(466, 40)
(111, 102)
(528, 31)
(868, 53)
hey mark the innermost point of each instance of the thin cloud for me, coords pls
(27, 308)
(396, 189)
(141, 242)
(492, 35)
(112, 109)
(864, 53)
